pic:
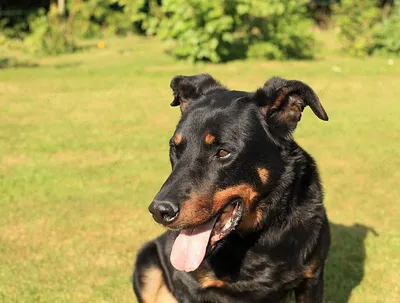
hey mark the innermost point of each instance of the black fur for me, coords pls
(263, 261)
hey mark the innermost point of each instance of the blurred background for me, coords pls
(85, 122)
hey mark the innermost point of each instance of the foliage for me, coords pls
(281, 29)
(91, 18)
(222, 30)
(358, 22)
(201, 28)
(50, 34)
(321, 12)
(387, 39)
(366, 28)
(144, 14)
(17, 30)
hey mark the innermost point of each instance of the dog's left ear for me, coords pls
(189, 88)
(283, 101)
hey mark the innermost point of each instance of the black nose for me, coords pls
(164, 212)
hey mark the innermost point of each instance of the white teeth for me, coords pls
(227, 225)
(224, 223)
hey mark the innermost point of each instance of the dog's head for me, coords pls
(225, 156)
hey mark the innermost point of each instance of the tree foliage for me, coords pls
(50, 34)
(222, 30)
(369, 27)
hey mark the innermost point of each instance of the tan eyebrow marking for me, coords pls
(263, 174)
(209, 139)
(178, 139)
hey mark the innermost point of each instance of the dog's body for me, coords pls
(244, 201)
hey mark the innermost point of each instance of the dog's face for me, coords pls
(225, 156)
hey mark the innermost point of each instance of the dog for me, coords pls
(243, 203)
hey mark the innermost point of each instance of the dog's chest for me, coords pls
(254, 280)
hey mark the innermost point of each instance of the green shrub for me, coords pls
(280, 30)
(367, 28)
(15, 30)
(358, 22)
(387, 38)
(144, 14)
(201, 28)
(265, 50)
(93, 18)
(50, 34)
(216, 31)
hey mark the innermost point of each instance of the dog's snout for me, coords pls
(164, 212)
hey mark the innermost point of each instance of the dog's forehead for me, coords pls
(224, 98)
(217, 106)
(213, 112)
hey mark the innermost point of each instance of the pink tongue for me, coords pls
(190, 247)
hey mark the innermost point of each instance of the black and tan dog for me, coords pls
(243, 202)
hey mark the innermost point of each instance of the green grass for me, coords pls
(83, 150)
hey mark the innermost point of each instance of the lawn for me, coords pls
(83, 150)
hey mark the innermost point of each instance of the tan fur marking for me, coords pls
(310, 270)
(247, 193)
(263, 174)
(200, 208)
(194, 211)
(291, 113)
(252, 220)
(164, 295)
(209, 139)
(208, 279)
(207, 282)
(281, 97)
(178, 139)
(154, 288)
(244, 191)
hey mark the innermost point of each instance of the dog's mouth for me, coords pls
(226, 222)
(191, 245)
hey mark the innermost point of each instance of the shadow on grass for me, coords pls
(344, 269)
(12, 62)
(67, 64)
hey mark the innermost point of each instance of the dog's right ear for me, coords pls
(187, 89)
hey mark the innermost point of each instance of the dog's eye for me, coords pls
(223, 154)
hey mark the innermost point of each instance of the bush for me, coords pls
(280, 30)
(217, 31)
(50, 34)
(321, 12)
(387, 38)
(92, 18)
(358, 22)
(144, 14)
(16, 30)
(367, 28)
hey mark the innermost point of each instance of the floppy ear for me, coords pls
(283, 101)
(189, 88)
